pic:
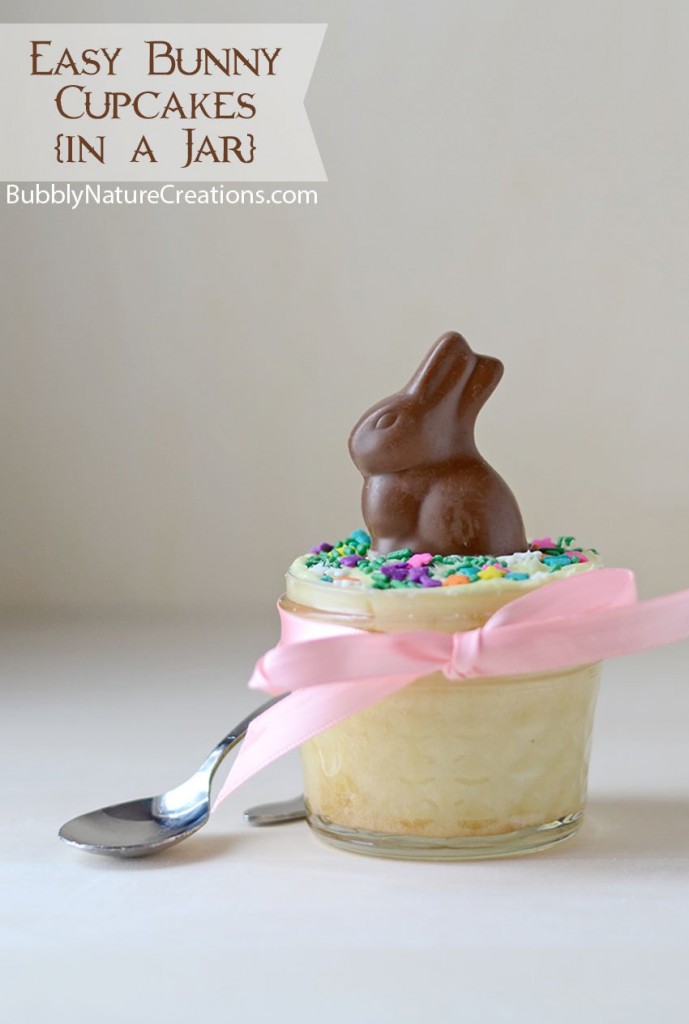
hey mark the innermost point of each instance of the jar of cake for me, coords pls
(447, 769)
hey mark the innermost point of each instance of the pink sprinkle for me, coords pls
(543, 542)
(416, 561)
(580, 556)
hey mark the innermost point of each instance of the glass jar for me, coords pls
(447, 769)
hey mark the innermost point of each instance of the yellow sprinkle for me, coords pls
(491, 573)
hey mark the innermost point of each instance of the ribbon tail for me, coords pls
(656, 622)
(529, 647)
(300, 717)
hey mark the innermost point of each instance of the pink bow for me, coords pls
(332, 672)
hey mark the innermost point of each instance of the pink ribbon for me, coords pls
(331, 672)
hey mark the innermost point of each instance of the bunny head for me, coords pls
(426, 487)
(432, 418)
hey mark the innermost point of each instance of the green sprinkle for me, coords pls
(561, 552)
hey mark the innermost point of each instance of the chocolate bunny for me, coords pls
(426, 487)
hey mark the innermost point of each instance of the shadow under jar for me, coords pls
(447, 769)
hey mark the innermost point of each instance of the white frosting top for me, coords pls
(348, 578)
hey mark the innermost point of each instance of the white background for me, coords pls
(178, 384)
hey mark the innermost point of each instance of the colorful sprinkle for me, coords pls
(455, 579)
(491, 572)
(414, 575)
(541, 543)
(557, 560)
(394, 571)
(351, 561)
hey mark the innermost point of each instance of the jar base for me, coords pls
(402, 847)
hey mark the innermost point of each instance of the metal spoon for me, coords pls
(142, 827)
(276, 813)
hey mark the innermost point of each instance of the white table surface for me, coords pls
(256, 925)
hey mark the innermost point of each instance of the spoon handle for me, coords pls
(219, 752)
(276, 813)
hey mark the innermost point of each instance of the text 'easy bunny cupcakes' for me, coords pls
(426, 486)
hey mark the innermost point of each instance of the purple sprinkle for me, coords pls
(416, 574)
(426, 581)
(394, 571)
(324, 547)
(351, 559)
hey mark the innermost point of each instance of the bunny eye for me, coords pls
(386, 420)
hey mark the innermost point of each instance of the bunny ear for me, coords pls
(447, 365)
(484, 379)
